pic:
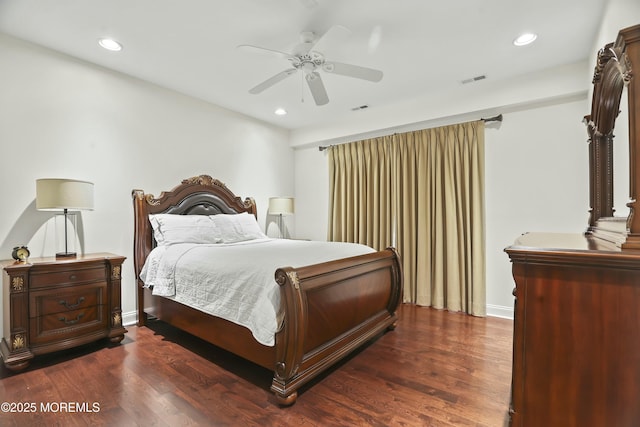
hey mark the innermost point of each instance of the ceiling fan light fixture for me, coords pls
(525, 39)
(280, 112)
(110, 44)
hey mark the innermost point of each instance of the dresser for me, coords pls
(576, 337)
(53, 304)
(576, 340)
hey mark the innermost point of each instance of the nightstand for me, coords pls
(53, 304)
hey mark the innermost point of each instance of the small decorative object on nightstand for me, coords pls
(53, 304)
(20, 253)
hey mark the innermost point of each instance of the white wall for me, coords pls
(64, 118)
(536, 180)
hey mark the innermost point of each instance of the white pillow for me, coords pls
(237, 227)
(169, 229)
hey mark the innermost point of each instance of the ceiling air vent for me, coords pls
(361, 107)
(474, 79)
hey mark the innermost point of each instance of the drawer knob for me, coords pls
(73, 321)
(72, 306)
(73, 277)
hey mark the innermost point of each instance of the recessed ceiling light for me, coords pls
(280, 112)
(110, 44)
(525, 39)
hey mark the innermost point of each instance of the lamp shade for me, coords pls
(281, 205)
(56, 194)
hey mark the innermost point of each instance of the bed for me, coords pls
(326, 310)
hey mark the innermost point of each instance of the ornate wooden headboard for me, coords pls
(614, 72)
(200, 195)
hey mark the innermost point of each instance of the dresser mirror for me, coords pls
(615, 94)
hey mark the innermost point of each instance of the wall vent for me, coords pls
(474, 79)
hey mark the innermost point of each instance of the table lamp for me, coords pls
(54, 194)
(281, 206)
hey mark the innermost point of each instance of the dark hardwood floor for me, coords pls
(436, 369)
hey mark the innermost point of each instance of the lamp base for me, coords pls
(66, 255)
(66, 235)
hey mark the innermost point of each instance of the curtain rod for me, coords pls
(497, 118)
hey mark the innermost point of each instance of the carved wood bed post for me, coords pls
(289, 350)
(141, 248)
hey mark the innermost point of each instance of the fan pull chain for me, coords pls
(302, 88)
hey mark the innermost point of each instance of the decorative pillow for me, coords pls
(237, 227)
(169, 229)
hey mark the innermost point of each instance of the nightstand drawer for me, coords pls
(61, 300)
(70, 324)
(66, 277)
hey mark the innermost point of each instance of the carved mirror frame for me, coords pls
(613, 71)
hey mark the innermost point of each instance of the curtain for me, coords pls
(422, 192)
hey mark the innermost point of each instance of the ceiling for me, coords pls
(422, 47)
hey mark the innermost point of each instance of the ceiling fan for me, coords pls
(308, 58)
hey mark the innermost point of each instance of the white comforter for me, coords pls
(236, 281)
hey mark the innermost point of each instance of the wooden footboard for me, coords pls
(330, 310)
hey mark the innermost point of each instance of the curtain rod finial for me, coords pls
(497, 118)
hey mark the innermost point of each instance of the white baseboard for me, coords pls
(130, 318)
(500, 311)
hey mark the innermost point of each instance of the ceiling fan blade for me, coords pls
(264, 50)
(272, 80)
(334, 36)
(354, 71)
(316, 86)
